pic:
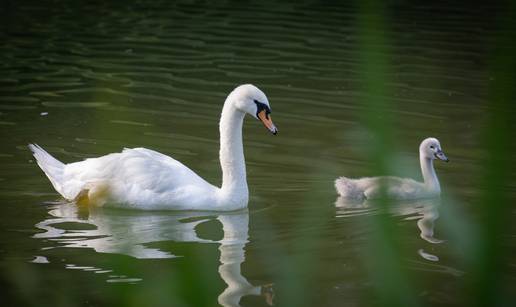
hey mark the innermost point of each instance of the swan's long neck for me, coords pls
(234, 182)
(429, 176)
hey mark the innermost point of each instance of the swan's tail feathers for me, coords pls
(52, 167)
(349, 188)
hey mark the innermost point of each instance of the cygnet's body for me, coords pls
(144, 179)
(395, 187)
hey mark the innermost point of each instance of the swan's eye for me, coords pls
(260, 106)
(432, 147)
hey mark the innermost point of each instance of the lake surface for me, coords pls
(87, 79)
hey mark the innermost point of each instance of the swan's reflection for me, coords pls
(232, 255)
(127, 233)
(425, 211)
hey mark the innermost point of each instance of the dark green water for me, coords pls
(87, 79)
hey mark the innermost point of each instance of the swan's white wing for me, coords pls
(76, 176)
(138, 177)
(155, 171)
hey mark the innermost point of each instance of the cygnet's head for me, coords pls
(430, 148)
(250, 99)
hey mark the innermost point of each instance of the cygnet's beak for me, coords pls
(267, 121)
(441, 156)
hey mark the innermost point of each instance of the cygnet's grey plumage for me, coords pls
(395, 187)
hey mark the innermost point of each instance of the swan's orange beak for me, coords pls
(267, 121)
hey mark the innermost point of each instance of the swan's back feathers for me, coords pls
(52, 167)
(155, 171)
(133, 176)
(138, 176)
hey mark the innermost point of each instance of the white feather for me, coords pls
(141, 178)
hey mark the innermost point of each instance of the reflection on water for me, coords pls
(232, 255)
(119, 232)
(424, 211)
(85, 80)
(128, 233)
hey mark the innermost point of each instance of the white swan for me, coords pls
(394, 187)
(144, 179)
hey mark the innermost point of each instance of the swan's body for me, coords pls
(141, 178)
(395, 187)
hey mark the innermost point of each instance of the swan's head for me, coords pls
(431, 149)
(250, 99)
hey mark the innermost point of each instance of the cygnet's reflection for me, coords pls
(425, 211)
(128, 233)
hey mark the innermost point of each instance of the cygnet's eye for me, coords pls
(432, 146)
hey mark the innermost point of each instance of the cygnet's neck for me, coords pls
(234, 183)
(429, 176)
